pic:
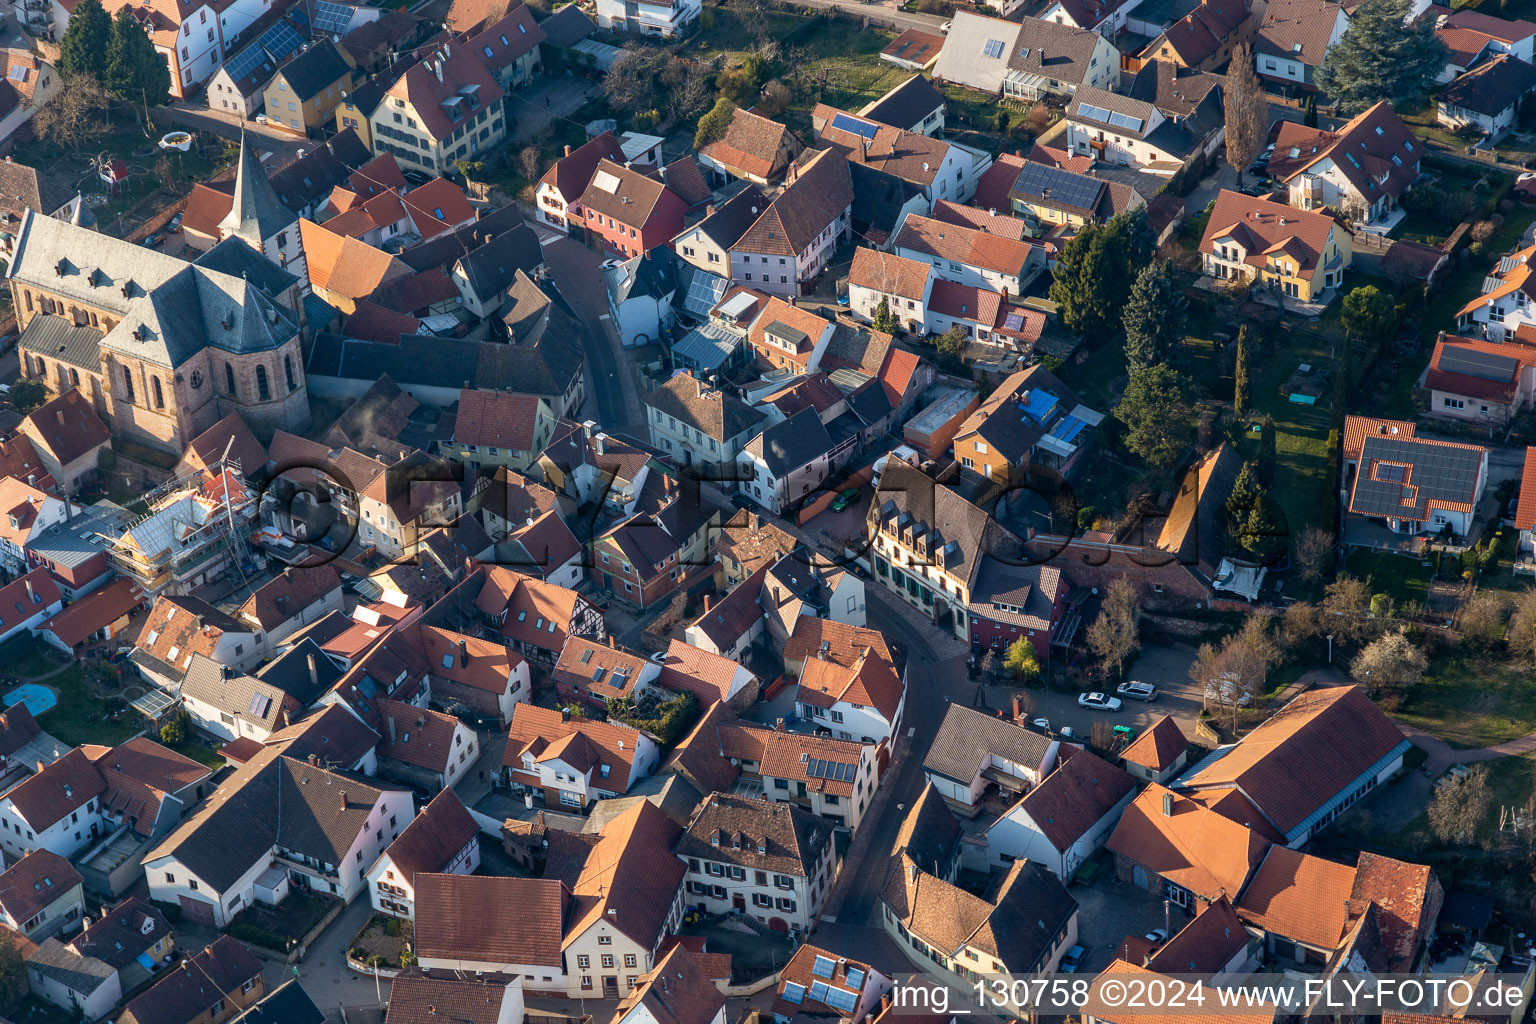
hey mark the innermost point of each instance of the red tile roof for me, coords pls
(501, 419)
(1300, 897)
(1470, 386)
(1263, 227)
(34, 882)
(67, 426)
(491, 919)
(1072, 799)
(689, 669)
(1187, 843)
(417, 736)
(1158, 747)
(535, 730)
(434, 837)
(1525, 512)
(438, 206)
(101, 607)
(571, 174)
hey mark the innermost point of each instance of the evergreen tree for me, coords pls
(1132, 240)
(1246, 493)
(83, 50)
(1382, 56)
(1078, 285)
(135, 70)
(1158, 413)
(1154, 316)
(1247, 110)
(1267, 452)
(1261, 530)
(714, 124)
(884, 321)
(1242, 394)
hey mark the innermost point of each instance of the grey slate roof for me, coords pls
(57, 962)
(289, 672)
(960, 532)
(311, 177)
(314, 69)
(567, 26)
(256, 213)
(906, 105)
(966, 736)
(878, 198)
(244, 697)
(273, 800)
(289, 1003)
(504, 226)
(792, 443)
(418, 359)
(731, 219)
(237, 259)
(168, 310)
(23, 188)
(60, 340)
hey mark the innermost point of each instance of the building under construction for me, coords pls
(194, 532)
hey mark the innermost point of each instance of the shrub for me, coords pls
(257, 936)
(668, 720)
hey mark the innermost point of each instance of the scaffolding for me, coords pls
(195, 529)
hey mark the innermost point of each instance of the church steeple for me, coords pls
(256, 213)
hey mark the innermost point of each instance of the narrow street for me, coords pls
(612, 380)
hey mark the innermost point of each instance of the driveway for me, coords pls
(1108, 911)
(283, 146)
(551, 97)
(1167, 668)
(323, 971)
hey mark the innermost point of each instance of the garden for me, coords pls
(383, 941)
(92, 704)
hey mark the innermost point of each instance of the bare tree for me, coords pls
(528, 162)
(1314, 553)
(1482, 619)
(1459, 806)
(76, 113)
(1346, 608)
(1391, 660)
(1302, 622)
(1114, 635)
(1521, 637)
(1247, 110)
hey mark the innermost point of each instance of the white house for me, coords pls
(970, 256)
(234, 850)
(666, 19)
(76, 983)
(481, 674)
(861, 698)
(794, 239)
(1025, 60)
(1361, 169)
(1488, 97)
(1064, 820)
(26, 513)
(972, 751)
(443, 840)
(494, 924)
(1105, 18)
(902, 283)
(26, 602)
(228, 704)
(772, 861)
(787, 461)
(570, 762)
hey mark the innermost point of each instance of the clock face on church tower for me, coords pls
(196, 379)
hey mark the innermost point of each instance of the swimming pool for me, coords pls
(37, 697)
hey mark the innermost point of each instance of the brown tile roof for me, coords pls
(871, 681)
(915, 46)
(1158, 747)
(845, 643)
(1300, 897)
(1017, 926)
(989, 220)
(801, 970)
(180, 997)
(482, 664)
(572, 173)
(534, 730)
(685, 178)
(491, 919)
(1202, 32)
(17, 727)
(416, 998)
(19, 458)
(698, 756)
(888, 273)
(756, 834)
(470, 15)
(1297, 29)
(416, 736)
(752, 144)
(1505, 30)
(600, 669)
(373, 322)
(752, 541)
(344, 266)
(1407, 898)
(34, 882)
(632, 873)
(1358, 428)
(1263, 227)
(229, 433)
(1193, 847)
(1525, 512)
(715, 413)
(630, 200)
(426, 91)
(502, 419)
(1373, 145)
(64, 786)
(1303, 755)
(677, 991)
(967, 302)
(1075, 797)
(68, 426)
(1208, 1014)
(964, 244)
(689, 669)
(784, 755)
(437, 206)
(819, 191)
(1204, 946)
(509, 39)
(123, 933)
(289, 593)
(909, 156)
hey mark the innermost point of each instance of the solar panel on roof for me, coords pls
(854, 126)
(272, 46)
(1060, 188)
(1126, 121)
(993, 48)
(332, 17)
(1470, 362)
(1014, 322)
(1096, 113)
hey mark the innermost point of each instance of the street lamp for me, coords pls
(1330, 648)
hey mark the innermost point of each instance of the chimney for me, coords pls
(40, 767)
(1167, 805)
(709, 209)
(31, 594)
(567, 150)
(565, 715)
(60, 414)
(391, 730)
(707, 602)
(344, 792)
(463, 654)
(314, 672)
(611, 644)
(661, 172)
(314, 759)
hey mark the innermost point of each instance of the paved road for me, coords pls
(611, 378)
(886, 14)
(284, 146)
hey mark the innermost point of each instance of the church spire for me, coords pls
(255, 214)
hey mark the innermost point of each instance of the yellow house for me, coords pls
(1300, 254)
(302, 97)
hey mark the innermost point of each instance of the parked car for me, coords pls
(845, 499)
(175, 224)
(944, 28)
(153, 242)
(1455, 773)
(842, 300)
(1098, 702)
(1137, 691)
(660, 657)
(1072, 960)
(261, 118)
(742, 501)
(1157, 936)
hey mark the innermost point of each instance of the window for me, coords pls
(128, 384)
(262, 391)
(159, 397)
(229, 379)
(293, 385)
(629, 959)
(607, 959)
(605, 940)
(583, 962)
(786, 904)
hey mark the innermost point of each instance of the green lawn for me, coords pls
(80, 716)
(1471, 701)
(200, 751)
(1400, 577)
(26, 656)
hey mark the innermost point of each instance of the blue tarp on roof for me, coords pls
(146, 961)
(1040, 405)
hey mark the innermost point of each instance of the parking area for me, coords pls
(1166, 667)
(1108, 911)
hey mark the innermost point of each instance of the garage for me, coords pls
(198, 911)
